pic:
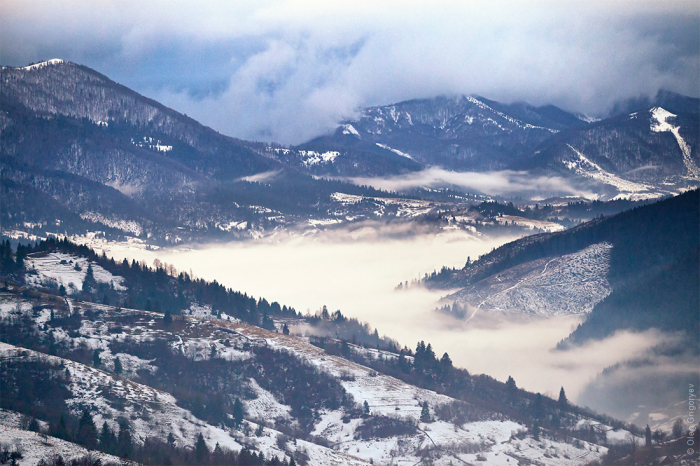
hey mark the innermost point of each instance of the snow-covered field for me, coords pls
(155, 413)
(571, 284)
(583, 166)
(66, 270)
(530, 223)
(660, 124)
(36, 447)
(405, 208)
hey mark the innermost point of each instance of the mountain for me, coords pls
(196, 361)
(642, 154)
(467, 133)
(82, 153)
(57, 88)
(637, 271)
(634, 270)
(637, 154)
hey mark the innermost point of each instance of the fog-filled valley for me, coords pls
(397, 234)
(357, 274)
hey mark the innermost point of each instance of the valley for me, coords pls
(444, 280)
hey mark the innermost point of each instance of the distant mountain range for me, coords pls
(467, 133)
(635, 154)
(81, 152)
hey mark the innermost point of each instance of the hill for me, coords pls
(197, 367)
(643, 275)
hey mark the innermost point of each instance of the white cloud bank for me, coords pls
(358, 277)
(498, 183)
(288, 70)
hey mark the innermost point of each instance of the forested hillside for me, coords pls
(653, 266)
(187, 379)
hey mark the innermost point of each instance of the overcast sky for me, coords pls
(286, 71)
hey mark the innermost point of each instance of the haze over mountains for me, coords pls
(470, 133)
(83, 156)
(78, 144)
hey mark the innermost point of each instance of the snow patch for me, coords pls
(350, 129)
(660, 124)
(61, 268)
(310, 157)
(589, 169)
(395, 151)
(128, 226)
(36, 66)
(265, 406)
(509, 119)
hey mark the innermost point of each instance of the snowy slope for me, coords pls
(66, 270)
(660, 124)
(155, 413)
(35, 447)
(98, 390)
(582, 166)
(391, 397)
(570, 284)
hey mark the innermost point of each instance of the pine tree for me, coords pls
(167, 318)
(365, 410)
(89, 282)
(425, 413)
(61, 430)
(511, 387)
(563, 402)
(429, 354)
(201, 449)
(87, 431)
(20, 255)
(537, 407)
(118, 366)
(96, 359)
(237, 412)
(536, 431)
(677, 429)
(107, 439)
(647, 435)
(125, 443)
(446, 362)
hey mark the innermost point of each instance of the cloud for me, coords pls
(504, 182)
(289, 70)
(357, 273)
(262, 177)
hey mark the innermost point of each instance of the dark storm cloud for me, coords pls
(289, 70)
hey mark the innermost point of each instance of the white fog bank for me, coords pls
(359, 277)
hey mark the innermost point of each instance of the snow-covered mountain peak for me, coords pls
(659, 118)
(350, 129)
(36, 66)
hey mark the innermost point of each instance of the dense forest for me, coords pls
(653, 269)
(152, 289)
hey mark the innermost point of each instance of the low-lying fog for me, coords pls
(359, 276)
